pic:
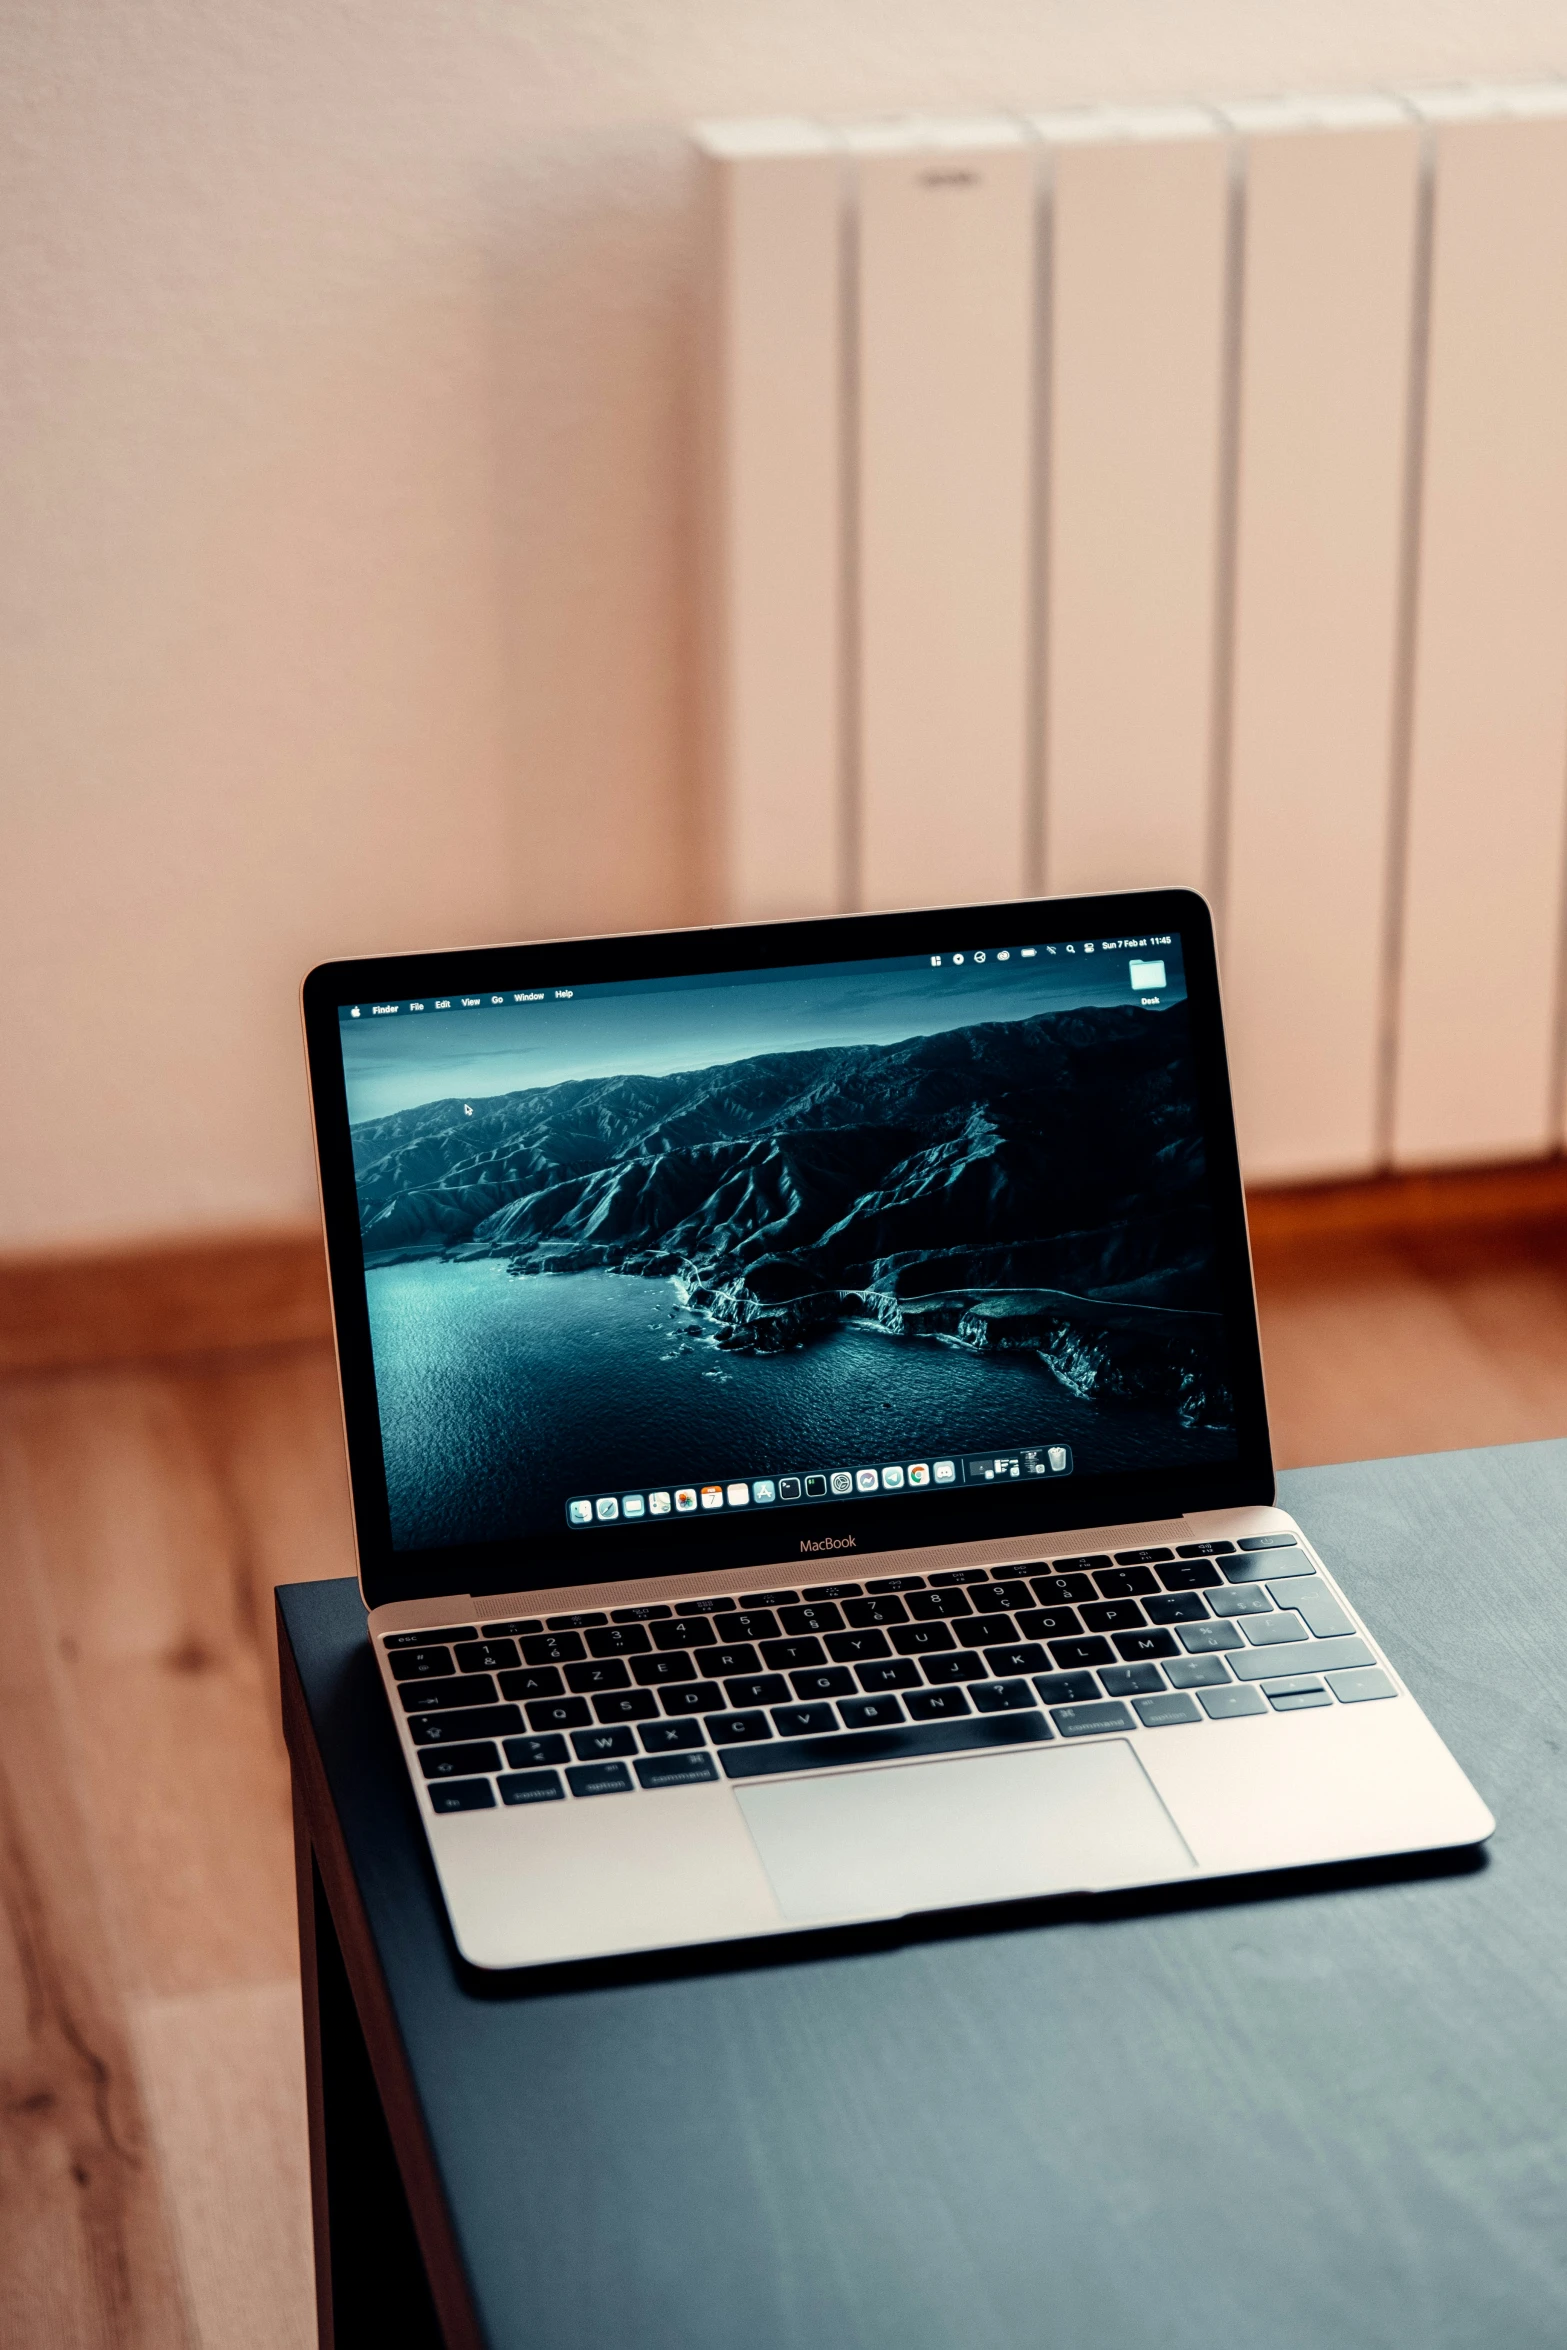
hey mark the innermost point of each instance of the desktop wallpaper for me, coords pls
(648, 1235)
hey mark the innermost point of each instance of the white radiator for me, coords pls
(1170, 495)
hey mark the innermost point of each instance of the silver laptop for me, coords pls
(807, 1435)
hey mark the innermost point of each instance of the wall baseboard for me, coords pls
(146, 1304)
(244, 1291)
(1393, 1208)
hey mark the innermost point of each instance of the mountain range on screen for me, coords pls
(1035, 1183)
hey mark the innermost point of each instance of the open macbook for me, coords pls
(807, 1437)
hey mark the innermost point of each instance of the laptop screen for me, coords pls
(818, 1241)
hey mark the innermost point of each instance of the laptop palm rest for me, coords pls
(940, 1835)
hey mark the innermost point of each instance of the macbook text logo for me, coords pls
(811, 1550)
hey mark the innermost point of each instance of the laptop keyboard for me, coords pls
(542, 1710)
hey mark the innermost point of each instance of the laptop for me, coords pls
(806, 1429)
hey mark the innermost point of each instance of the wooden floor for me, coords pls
(152, 2142)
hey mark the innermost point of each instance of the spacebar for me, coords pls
(862, 1746)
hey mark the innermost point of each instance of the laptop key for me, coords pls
(1138, 1647)
(1113, 1615)
(1267, 1566)
(1203, 1550)
(1226, 1705)
(603, 1778)
(1021, 1656)
(803, 1721)
(675, 1770)
(619, 1640)
(652, 1613)
(1090, 1721)
(985, 1631)
(1009, 1593)
(458, 1762)
(585, 1679)
(897, 1583)
(1182, 1607)
(684, 1632)
(422, 1697)
(703, 1607)
(1131, 1680)
(1001, 1697)
(962, 1665)
(575, 1622)
(484, 1656)
(461, 1795)
(733, 1656)
(1313, 1600)
(1126, 1582)
(1095, 1559)
(1205, 1639)
(832, 1591)
(937, 1705)
(626, 1705)
(787, 1656)
(757, 1689)
(671, 1737)
(869, 1713)
(554, 1648)
(855, 1648)
(900, 1672)
(531, 1787)
(525, 1753)
(831, 1681)
(1049, 1623)
(1067, 1688)
(1062, 1590)
(752, 1623)
(820, 1615)
(1290, 1697)
(598, 1745)
(1268, 1542)
(559, 1713)
(1071, 1654)
(420, 1664)
(533, 1681)
(1166, 1713)
(1311, 1656)
(442, 1638)
(1141, 1558)
(961, 1575)
(1357, 1688)
(693, 1697)
(921, 1639)
(474, 1721)
(1274, 1630)
(1195, 1672)
(738, 1729)
(654, 1672)
(1243, 1599)
(1190, 1575)
(931, 1607)
(902, 1744)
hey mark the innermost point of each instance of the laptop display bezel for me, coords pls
(594, 1555)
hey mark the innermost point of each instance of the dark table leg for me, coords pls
(371, 2285)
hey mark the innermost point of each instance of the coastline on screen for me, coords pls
(782, 1239)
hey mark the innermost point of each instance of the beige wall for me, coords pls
(345, 540)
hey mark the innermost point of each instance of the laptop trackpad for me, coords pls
(938, 1835)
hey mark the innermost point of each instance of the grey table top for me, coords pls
(1325, 2109)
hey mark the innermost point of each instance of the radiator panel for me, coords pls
(1326, 335)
